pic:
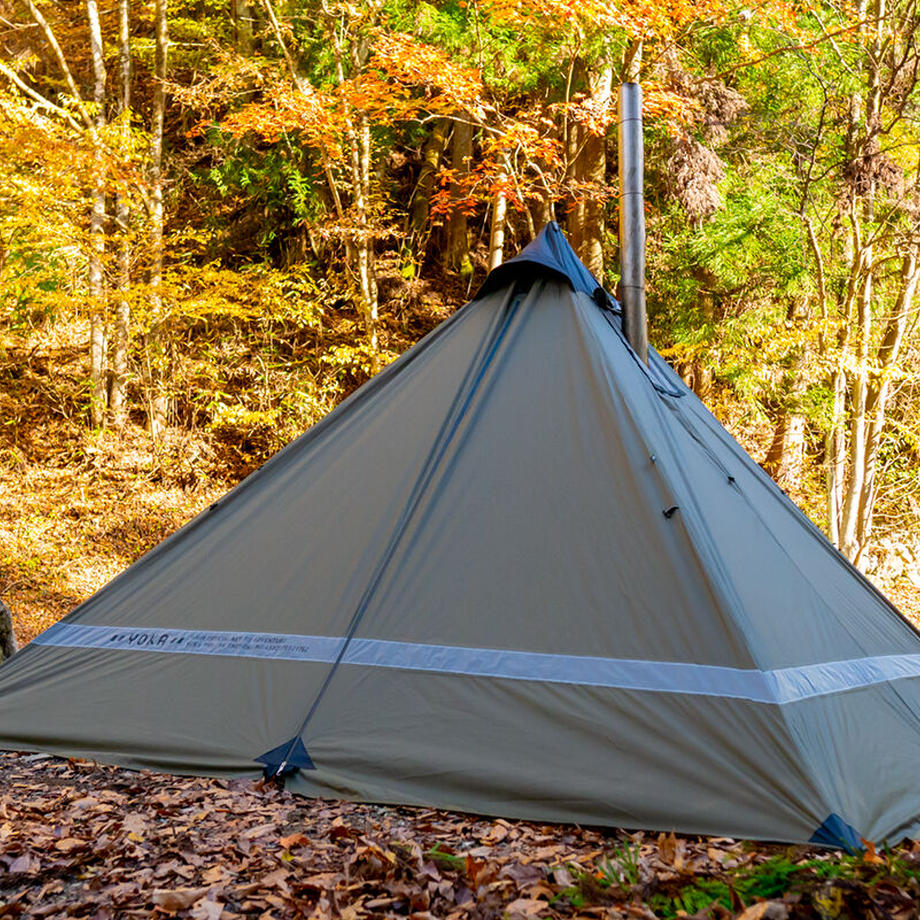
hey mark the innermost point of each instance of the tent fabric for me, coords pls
(547, 255)
(517, 573)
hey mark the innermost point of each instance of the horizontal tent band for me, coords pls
(783, 685)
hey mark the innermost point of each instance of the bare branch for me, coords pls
(37, 97)
(62, 62)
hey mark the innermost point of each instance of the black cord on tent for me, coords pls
(295, 756)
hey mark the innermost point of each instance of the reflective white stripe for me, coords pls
(193, 642)
(784, 685)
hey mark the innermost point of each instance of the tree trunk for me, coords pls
(52, 41)
(360, 243)
(457, 253)
(243, 19)
(575, 211)
(432, 152)
(860, 144)
(499, 209)
(590, 173)
(786, 454)
(541, 212)
(786, 457)
(118, 395)
(834, 457)
(877, 397)
(97, 336)
(859, 391)
(156, 357)
(8, 646)
(360, 143)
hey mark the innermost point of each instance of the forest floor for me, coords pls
(82, 840)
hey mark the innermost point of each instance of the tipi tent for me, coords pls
(520, 573)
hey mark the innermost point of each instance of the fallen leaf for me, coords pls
(526, 907)
(667, 848)
(207, 910)
(253, 832)
(177, 898)
(21, 864)
(295, 840)
(69, 844)
(496, 834)
(135, 823)
(870, 856)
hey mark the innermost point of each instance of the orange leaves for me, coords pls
(591, 14)
(525, 139)
(403, 79)
(290, 110)
(594, 113)
(411, 63)
(637, 18)
(674, 109)
(648, 20)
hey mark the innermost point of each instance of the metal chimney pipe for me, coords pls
(632, 219)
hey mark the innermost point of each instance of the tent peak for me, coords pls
(547, 254)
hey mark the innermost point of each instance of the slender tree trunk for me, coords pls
(499, 210)
(541, 212)
(877, 398)
(574, 138)
(360, 245)
(457, 254)
(52, 41)
(360, 143)
(855, 507)
(835, 455)
(859, 391)
(97, 335)
(118, 395)
(156, 351)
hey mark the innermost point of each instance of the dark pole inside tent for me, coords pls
(632, 219)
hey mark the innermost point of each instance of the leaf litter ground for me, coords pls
(78, 839)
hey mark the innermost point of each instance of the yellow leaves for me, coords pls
(649, 20)
(356, 359)
(201, 291)
(829, 901)
(592, 14)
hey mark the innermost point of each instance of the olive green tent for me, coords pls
(520, 573)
